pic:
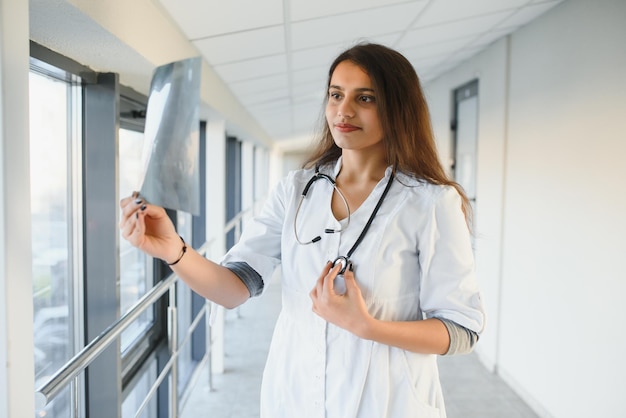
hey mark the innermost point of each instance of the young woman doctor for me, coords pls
(374, 245)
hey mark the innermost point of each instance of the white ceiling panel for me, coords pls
(489, 37)
(199, 19)
(243, 45)
(345, 28)
(306, 118)
(310, 75)
(424, 65)
(259, 84)
(307, 9)
(279, 105)
(269, 96)
(391, 39)
(525, 15)
(314, 57)
(250, 69)
(435, 50)
(313, 93)
(452, 30)
(309, 92)
(462, 55)
(442, 11)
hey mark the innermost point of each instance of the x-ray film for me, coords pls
(171, 147)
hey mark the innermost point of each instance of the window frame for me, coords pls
(75, 267)
(107, 378)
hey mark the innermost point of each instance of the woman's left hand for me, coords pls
(347, 310)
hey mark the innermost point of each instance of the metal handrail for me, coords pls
(77, 364)
(234, 221)
(91, 351)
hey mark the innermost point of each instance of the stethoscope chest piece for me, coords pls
(345, 263)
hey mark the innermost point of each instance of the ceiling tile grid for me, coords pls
(344, 28)
(307, 9)
(206, 18)
(259, 85)
(253, 68)
(275, 54)
(443, 11)
(451, 30)
(242, 45)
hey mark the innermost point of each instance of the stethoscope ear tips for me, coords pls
(317, 238)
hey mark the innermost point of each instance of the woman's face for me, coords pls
(351, 112)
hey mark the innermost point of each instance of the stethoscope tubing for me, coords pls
(344, 260)
(305, 191)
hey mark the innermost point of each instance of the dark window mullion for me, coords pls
(101, 240)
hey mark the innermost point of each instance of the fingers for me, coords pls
(346, 309)
(350, 280)
(130, 205)
(319, 284)
(329, 279)
(132, 222)
(324, 285)
(139, 229)
(133, 227)
(128, 199)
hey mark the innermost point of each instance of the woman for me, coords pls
(374, 245)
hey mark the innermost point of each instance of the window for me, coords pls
(138, 389)
(184, 311)
(135, 272)
(54, 150)
(465, 137)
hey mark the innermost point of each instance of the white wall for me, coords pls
(489, 69)
(17, 386)
(551, 191)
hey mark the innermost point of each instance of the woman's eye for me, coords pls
(368, 99)
(334, 95)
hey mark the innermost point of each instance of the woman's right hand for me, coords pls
(148, 228)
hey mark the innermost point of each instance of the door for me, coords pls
(465, 138)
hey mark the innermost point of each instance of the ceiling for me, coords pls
(274, 54)
(268, 59)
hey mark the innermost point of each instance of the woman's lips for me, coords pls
(345, 127)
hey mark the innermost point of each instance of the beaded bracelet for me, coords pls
(184, 250)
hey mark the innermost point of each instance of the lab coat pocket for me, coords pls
(419, 382)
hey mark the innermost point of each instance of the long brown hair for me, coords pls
(403, 112)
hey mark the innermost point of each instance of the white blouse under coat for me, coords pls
(415, 261)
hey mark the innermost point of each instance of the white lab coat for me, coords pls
(415, 261)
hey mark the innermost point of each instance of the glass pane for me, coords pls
(183, 304)
(138, 392)
(186, 363)
(51, 229)
(134, 278)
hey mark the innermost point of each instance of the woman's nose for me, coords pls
(345, 110)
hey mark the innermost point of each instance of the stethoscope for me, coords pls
(344, 260)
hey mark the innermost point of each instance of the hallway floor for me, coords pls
(470, 390)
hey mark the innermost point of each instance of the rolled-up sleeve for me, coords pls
(449, 287)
